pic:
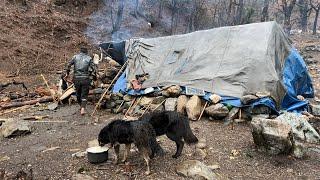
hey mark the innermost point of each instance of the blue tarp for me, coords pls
(296, 80)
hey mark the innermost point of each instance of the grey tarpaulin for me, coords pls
(230, 61)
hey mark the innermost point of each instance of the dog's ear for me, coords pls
(103, 137)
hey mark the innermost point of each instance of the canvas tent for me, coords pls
(229, 61)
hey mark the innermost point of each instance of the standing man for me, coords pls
(84, 72)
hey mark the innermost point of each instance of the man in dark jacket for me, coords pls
(84, 72)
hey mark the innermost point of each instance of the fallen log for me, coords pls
(23, 103)
(15, 109)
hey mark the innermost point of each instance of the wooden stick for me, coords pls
(105, 92)
(136, 104)
(23, 103)
(120, 106)
(204, 107)
(146, 109)
(232, 124)
(125, 115)
(15, 109)
(45, 81)
(158, 105)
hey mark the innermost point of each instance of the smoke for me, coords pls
(101, 25)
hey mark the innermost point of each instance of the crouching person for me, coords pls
(84, 72)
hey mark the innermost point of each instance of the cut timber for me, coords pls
(67, 93)
(31, 102)
(15, 109)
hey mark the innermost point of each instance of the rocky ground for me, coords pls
(48, 151)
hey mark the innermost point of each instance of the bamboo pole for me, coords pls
(105, 92)
(204, 107)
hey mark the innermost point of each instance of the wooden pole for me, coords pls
(232, 125)
(146, 109)
(204, 107)
(158, 105)
(125, 115)
(120, 106)
(105, 92)
(137, 102)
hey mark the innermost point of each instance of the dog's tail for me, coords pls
(189, 137)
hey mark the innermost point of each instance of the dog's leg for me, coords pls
(116, 148)
(146, 157)
(126, 152)
(156, 148)
(179, 144)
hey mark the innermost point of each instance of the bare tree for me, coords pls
(304, 10)
(117, 23)
(161, 4)
(316, 8)
(136, 8)
(239, 12)
(230, 12)
(265, 11)
(286, 8)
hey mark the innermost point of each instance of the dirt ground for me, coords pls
(31, 151)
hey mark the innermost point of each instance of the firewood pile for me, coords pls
(23, 96)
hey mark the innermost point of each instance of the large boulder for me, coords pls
(14, 127)
(145, 101)
(217, 111)
(261, 109)
(181, 104)
(302, 129)
(274, 136)
(215, 98)
(170, 104)
(193, 108)
(246, 99)
(195, 169)
(172, 91)
(158, 99)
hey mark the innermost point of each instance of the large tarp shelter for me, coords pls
(229, 61)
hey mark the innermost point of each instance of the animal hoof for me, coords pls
(123, 160)
(147, 173)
